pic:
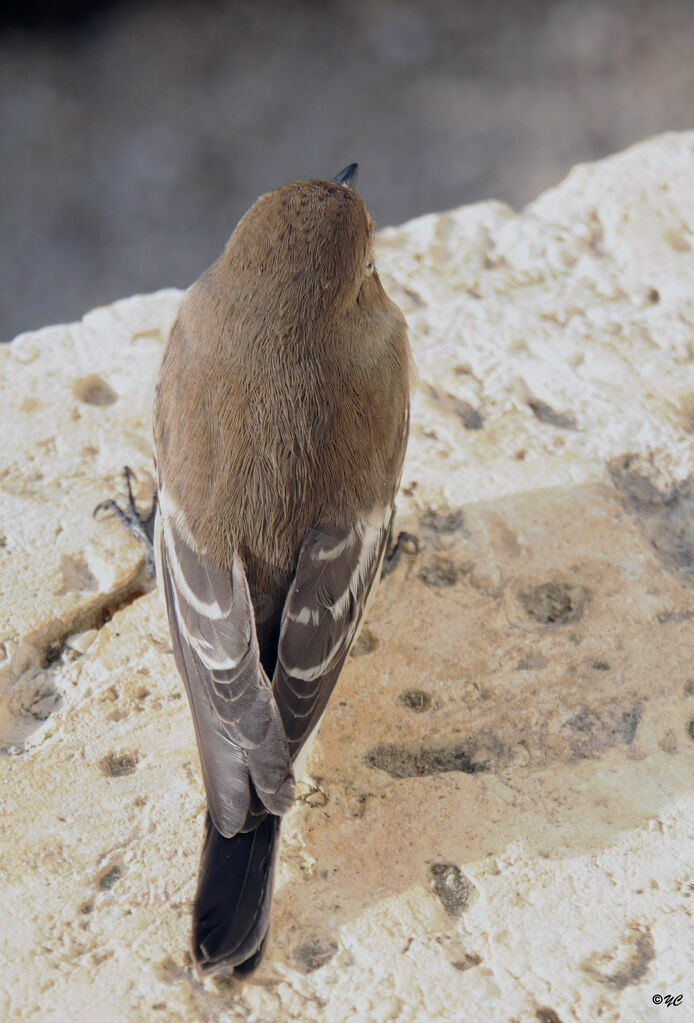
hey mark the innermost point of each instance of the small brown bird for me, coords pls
(280, 425)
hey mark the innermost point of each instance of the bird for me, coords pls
(281, 419)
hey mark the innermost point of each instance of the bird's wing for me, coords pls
(239, 731)
(337, 570)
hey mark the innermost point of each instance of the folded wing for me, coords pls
(337, 570)
(240, 735)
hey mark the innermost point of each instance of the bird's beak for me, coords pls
(348, 177)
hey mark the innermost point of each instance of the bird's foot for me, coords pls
(405, 543)
(142, 529)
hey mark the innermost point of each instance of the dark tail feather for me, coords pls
(231, 916)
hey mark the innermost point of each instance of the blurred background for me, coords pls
(134, 135)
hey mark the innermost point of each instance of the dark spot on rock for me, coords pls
(533, 663)
(470, 417)
(626, 964)
(169, 971)
(668, 743)
(674, 617)
(687, 409)
(438, 571)
(599, 665)
(37, 697)
(663, 511)
(116, 765)
(677, 238)
(109, 878)
(468, 961)
(313, 953)
(415, 297)
(415, 699)
(399, 762)
(653, 296)
(546, 414)
(53, 652)
(77, 577)
(92, 390)
(502, 535)
(555, 603)
(442, 521)
(632, 475)
(598, 730)
(366, 643)
(453, 890)
(520, 456)
(689, 687)
(86, 907)
(29, 405)
(690, 729)
(545, 1015)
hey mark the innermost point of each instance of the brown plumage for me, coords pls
(280, 427)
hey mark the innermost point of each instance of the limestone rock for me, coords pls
(497, 822)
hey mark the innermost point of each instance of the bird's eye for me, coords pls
(370, 267)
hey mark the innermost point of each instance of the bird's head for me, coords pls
(306, 250)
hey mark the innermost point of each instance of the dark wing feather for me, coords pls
(241, 739)
(337, 570)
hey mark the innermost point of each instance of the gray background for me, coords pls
(132, 139)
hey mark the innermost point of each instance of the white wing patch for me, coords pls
(328, 593)
(304, 616)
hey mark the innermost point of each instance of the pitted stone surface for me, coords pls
(497, 821)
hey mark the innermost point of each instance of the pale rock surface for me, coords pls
(498, 821)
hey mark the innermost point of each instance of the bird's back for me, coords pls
(284, 438)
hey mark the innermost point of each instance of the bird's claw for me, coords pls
(406, 542)
(142, 529)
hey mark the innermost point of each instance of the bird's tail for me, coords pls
(231, 915)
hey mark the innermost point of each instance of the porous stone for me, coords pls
(515, 843)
